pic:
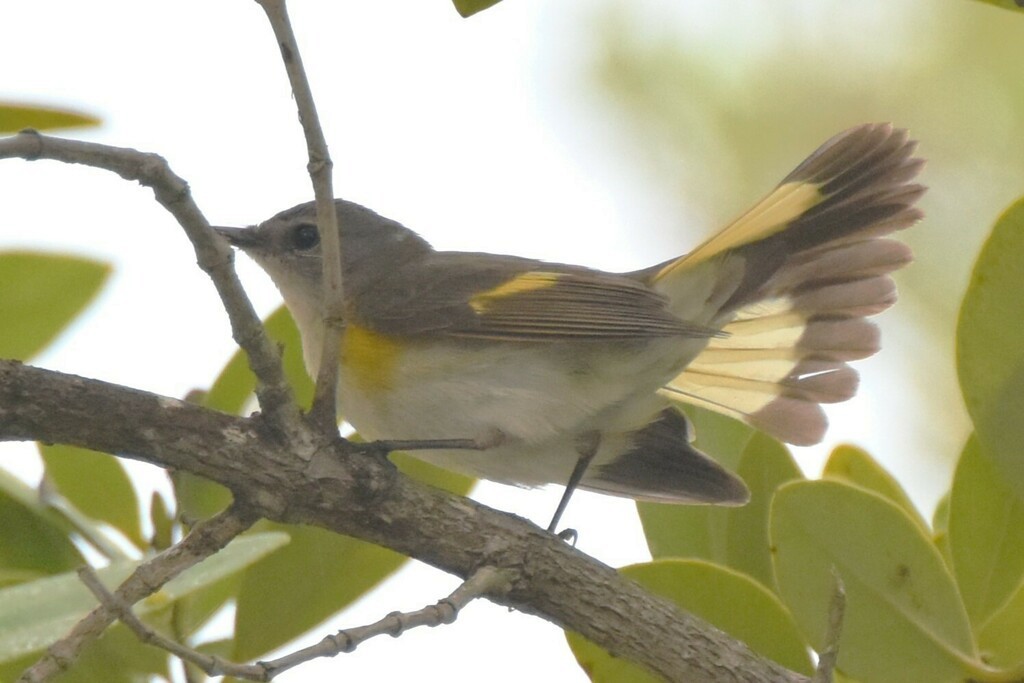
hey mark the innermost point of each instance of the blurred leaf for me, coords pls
(97, 485)
(736, 537)
(116, 657)
(432, 475)
(940, 518)
(193, 611)
(200, 498)
(1012, 5)
(336, 571)
(904, 620)
(721, 437)
(33, 615)
(854, 466)
(766, 464)
(728, 600)
(940, 530)
(39, 295)
(986, 534)
(35, 540)
(1000, 638)
(323, 572)
(198, 595)
(236, 383)
(990, 346)
(470, 7)
(163, 523)
(16, 117)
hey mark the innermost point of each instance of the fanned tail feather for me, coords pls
(792, 290)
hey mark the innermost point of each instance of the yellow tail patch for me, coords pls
(770, 216)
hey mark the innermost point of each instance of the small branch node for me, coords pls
(829, 655)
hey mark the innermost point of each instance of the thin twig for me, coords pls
(212, 253)
(205, 539)
(836, 611)
(212, 665)
(485, 580)
(324, 410)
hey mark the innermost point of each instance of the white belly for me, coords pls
(536, 398)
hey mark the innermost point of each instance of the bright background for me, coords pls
(611, 133)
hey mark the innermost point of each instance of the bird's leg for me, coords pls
(483, 442)
(586, 447)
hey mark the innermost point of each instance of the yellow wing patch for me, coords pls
(527, 282)
(369, 356)
(770, 216)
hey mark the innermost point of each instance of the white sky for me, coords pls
(478, 134)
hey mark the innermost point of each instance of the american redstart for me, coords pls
(570, 375)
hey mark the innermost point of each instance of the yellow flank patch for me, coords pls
(770, 216)
(369, 356)
(527, 282)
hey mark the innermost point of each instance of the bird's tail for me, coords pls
(791, 282)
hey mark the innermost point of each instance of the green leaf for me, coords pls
(200, 498)
(116, 657)
(986, 534)
(336, 571)
(324, 572)
(733, 536)
(1000, 638)
(35, 540)
(721, 437)
(854, 466)
(235, 385)
(39, 295)
(470, 7)
(432, 475)
(16, 117)
(940, 518)
(1012, 5)
(766, 465)
(904, 620)
(940, 530)
(193, 611)
(163, 523)
(97, 485)
(728, 600)
(33, 615)
(990, 346)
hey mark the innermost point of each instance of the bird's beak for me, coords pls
(237, 237)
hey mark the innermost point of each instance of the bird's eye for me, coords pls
(305, 237)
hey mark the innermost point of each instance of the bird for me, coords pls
(562, 374)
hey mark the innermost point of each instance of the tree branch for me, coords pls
(324, 412)
(213, 254)
(365, 497)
